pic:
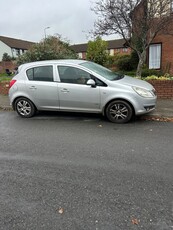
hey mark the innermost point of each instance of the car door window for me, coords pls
(73, 75)
(41, 73)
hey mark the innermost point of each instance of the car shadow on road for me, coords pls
(78, 116)
(70, 115)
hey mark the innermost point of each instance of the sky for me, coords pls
(29, 19)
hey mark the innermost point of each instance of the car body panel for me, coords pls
(130, 81)
(44, 95)
(79, 97)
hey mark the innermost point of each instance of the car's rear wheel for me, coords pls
(119, 111)
(24, 107)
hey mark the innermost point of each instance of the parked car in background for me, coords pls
(79, 86)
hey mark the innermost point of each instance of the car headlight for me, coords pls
(143, 92)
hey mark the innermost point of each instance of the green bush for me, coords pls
(49, 48)
(150, 72)
(110, 62)
(6, 57)
(124, 64)
(97, 51)
(129, 73)
(161, 78)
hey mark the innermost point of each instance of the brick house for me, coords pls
(13, 47)
(80, 49)
(160, 51)
(114, 46)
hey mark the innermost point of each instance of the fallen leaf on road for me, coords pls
(135, 221)
(161, 119)
(61, 211)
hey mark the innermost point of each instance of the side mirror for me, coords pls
(91, 82)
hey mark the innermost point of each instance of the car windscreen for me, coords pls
(104, 72)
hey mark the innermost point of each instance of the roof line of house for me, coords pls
(112, 44)
(16, 43)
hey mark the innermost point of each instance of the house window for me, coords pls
(17, 52)
(154, 56)
(111, 52)
(80, 55)
(118, 50)
(125, 50)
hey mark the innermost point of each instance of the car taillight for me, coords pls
(12, 83)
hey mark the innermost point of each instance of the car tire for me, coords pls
(119, 111)
(24, 107)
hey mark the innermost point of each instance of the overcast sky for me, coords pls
(27, 19)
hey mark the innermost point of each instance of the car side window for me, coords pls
(41, 73)
(73, 75)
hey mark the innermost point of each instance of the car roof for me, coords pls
(47, 62)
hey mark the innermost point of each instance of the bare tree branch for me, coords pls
(137, 21)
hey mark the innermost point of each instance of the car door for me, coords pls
(41, 87)
(74, 93)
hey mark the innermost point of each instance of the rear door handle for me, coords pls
(32, 87)
(65, 90)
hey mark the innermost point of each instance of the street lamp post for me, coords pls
(45, 31)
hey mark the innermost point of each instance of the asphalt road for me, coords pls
(76, 172)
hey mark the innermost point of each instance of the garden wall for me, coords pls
(164, 88)
(7, 65)
(4, 87)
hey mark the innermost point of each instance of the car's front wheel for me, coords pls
(119, 111)
(24, 107)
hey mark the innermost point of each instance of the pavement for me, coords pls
(4, 102)
(163, 111)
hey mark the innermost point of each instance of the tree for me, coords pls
(97, 51)
(137, 21)
(48, 49)
(6, 57)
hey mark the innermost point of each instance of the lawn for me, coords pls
(5, 77)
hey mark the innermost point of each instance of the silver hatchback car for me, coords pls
(79, 86)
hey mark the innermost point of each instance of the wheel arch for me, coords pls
(117, 99)
(14, 101)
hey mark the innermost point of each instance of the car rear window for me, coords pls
(40, 73)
